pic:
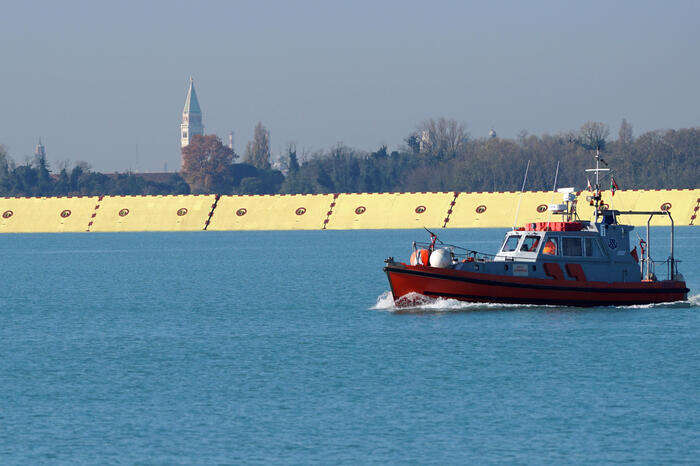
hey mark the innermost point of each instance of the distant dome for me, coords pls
(492, 134)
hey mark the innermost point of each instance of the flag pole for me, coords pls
(554, 190)
(520, 198)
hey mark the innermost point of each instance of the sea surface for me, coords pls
(284, 347)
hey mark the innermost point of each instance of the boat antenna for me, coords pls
(433, 238)
(520, 198)
(596, 198)
(554, 190)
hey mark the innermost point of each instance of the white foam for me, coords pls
(415, 302)
(692, 301)
(384, 301)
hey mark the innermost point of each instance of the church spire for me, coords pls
(191, 117)
(191, 102)
(40, 150)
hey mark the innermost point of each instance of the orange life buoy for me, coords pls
(420, 257)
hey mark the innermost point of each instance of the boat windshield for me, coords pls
(530, 243)
(511, 243)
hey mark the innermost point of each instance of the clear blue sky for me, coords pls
(96, 79)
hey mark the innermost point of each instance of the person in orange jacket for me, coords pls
(550, 247)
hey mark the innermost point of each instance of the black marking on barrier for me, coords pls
(300, 211)
(211, 212)
(124, 212)
(241, 212)
(420, 209)
(695, 213)
(542, 208)
(182, 211)
(330, 211)
(7, 214)
(481, 209)
(451, 209)
(360, 210)
(94, 213)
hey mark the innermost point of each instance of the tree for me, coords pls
(413, 142)
(4, 162)
(252, 186)
(624, 135)
(592, 135)
(292, 159)
(257, 151)
(62, 185)
(442, 138)
(79, 170)
(522, 136)
(206, 163)
(380, 153)
(44, 182)
(177, 185)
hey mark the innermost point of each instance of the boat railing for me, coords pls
(458, 252)
(670, 264)
(647, 261)
(475, 256)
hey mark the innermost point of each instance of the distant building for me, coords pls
(191, 117)
(492, 134)
(424, 143)
(40, 150)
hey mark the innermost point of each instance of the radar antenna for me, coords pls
(596, 198)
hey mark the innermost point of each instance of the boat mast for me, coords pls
(515, 219)
(554, 190)
(596, 198)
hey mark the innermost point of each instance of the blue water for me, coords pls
(281, 347)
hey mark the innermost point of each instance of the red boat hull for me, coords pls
(481, 287)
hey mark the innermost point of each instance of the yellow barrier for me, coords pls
(497, 210)
(390, 210)
(152, 213)
(679, 202)
(45, 214)
(271, 212)
(335, 212)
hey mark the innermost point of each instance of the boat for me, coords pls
(566, 262)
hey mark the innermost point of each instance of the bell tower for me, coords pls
(40, 150)
(191, 117)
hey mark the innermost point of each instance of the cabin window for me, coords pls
(593, 248)
(572, 247)
(530, 243)
(511, 243)
(551, 246)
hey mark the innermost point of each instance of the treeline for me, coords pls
(33, 178)
(441, 157)
(438, 156)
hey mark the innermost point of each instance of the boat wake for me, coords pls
(417, 303)
(693, 301)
